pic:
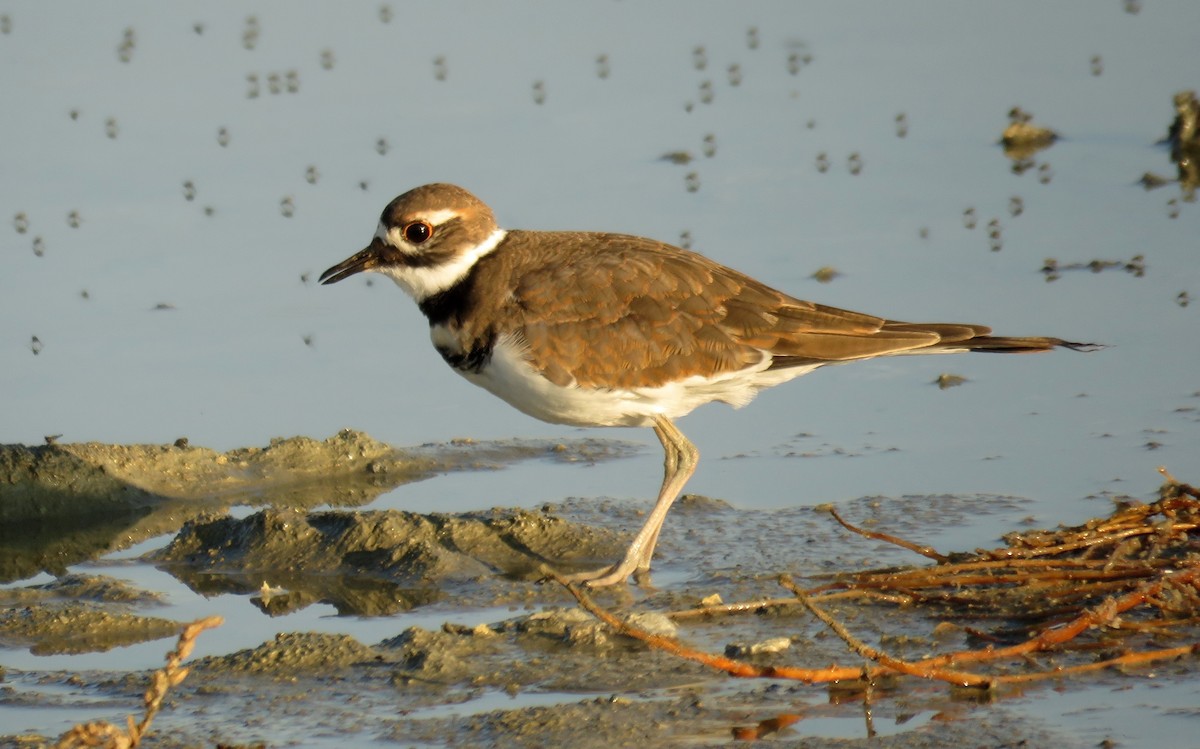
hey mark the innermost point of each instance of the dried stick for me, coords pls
(104, 734)
(1049, 638)
(728, 665)
(922, 669)
(1128, 659)
(925, 551)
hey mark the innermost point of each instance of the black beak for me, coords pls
(365, 260)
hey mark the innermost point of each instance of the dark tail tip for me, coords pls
(1082, 346)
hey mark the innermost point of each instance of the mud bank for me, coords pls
(379, 563)
(65, 503)
(547, 675)
(499, 658)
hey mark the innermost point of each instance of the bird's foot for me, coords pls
(612, 575)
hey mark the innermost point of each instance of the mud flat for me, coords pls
(500, 656)
(548, 674)
(61, 504)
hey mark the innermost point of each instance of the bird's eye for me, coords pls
(418, 232)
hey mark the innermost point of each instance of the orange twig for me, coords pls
(925, 551)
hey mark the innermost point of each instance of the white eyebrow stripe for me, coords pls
(437, 218)
(392, 234)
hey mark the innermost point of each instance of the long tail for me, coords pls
(1028, 345)
(966, 337)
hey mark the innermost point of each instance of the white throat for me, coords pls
(423, 282)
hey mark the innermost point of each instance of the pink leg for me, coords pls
(679, 463)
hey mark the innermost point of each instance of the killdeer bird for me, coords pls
(596, 329)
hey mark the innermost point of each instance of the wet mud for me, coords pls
(548, 675)
(61, 504)
(381, 562)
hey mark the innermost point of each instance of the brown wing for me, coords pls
(641, 312)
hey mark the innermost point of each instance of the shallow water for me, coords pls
(228, 364)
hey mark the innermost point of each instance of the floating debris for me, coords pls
(1135, 266)
(752, 37)
(793, 63)
(677, 157)
(251, 33)
(1185, 129)
(799, 57)
(995, 241)
(945, 381)
(825, 274)
(1152, 181)
(125, 48)
(1021, 139)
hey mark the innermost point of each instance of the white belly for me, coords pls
(509, 376)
